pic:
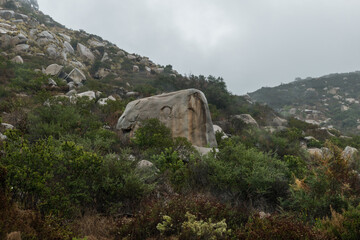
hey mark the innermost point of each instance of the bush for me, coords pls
(342, 226)
(144, 224)
(329, 183)
(153, 134)
(63, 179)
(247, 174)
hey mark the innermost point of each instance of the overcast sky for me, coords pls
(250, 43)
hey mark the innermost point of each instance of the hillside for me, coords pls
(100, 143)
(331, 101)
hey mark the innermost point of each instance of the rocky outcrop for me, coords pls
(185, 112)
(77, 76)
(53, 69)
(351, 155)
(85, 53)
(247, 119)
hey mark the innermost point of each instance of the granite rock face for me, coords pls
(185, 112)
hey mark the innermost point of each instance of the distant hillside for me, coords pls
(330, 101)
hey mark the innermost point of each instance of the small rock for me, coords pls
(18, 60)
(136, 68)
(52, 82)
(7, 126)
(22, 48)
(3, 137)
(45, 34)
(131, 57)
(132, 94)
(71, 93)
(65, 37)
(90, 94)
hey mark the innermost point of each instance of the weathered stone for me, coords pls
(279, 122)
(71, 93)
(131, 57)
(344, 108)
(95, 43)
(68, 47)
(65, 37)
(7, 126)
(2, 137)
(105, 57)
(45, 34)
(7, 14)
(5, 41)
(71, 85)
(132, 94)
(315, 152)
(77, 76)
(52, 51)
(136, 68)
(159, 70)
(104, 101)
(89, 94)
(349, 153)
(85, 52)
(17, 59)
(185, 112)
(247, 119)
(53, 69)
(121, 53)
(21, 16)
(21, 48)
(102, 73)
(147, 69)
(51, 82)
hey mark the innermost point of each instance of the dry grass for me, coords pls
(94, 226)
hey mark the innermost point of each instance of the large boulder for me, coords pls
(89, 94)
(77, 76)
(85, 53)
(7, 14)
(351, 155)
(247, 119)
(68, 48)
(185, 112)
(53, 69)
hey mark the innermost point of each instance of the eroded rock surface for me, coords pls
(185, 112)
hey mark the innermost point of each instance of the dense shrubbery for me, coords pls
(247, 175)
(330, 183)
(61, 178)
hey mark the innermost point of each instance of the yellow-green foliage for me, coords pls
(165, 225)
(193, 229)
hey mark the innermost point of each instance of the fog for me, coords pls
(250, 43)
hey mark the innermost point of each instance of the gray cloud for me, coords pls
(250, 43)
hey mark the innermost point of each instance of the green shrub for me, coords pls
(247, 174)
(153, 134)
(63, 179)
(329, 183)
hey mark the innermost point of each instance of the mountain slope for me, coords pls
(330, 101)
